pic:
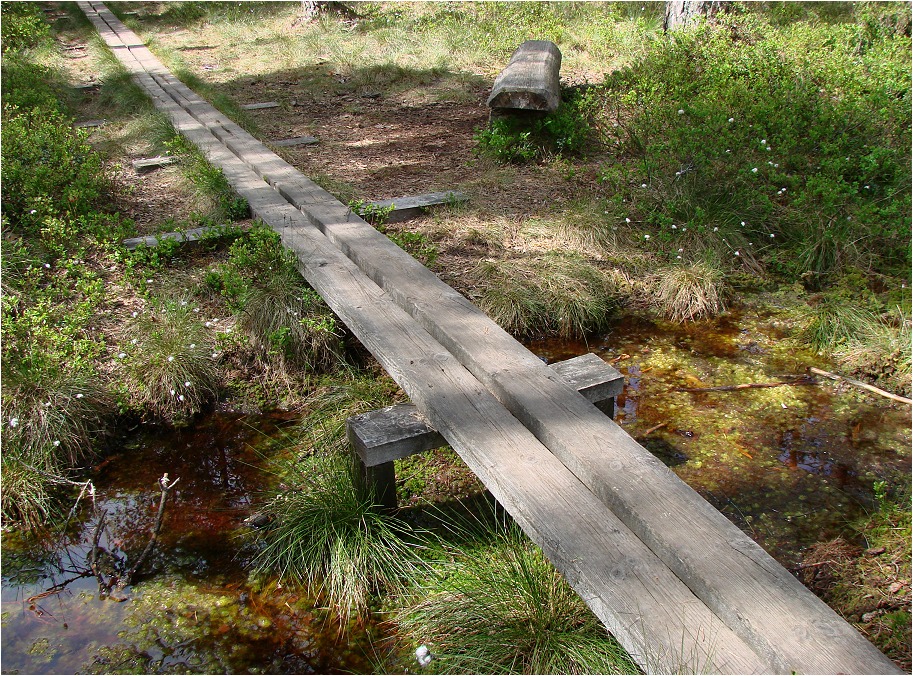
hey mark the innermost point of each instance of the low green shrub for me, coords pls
(520, 139)
(49, 171)
(22, 26)
(789, 138)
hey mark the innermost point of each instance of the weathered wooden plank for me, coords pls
(296, 141)
(89, 124)
(396, 432)
(191, 235)
(404, 208)
(153, 162)
(530, 80)
(260, 106)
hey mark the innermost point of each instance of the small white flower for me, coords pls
(681, 111)
(776, 166)
(743, 224)
(769, 148)
(181, 397)
(627, 220)
(183, 302)
(148, 281)
(606, 213)
(685, 229)
(134, 314)
(678, 173)
(866, 187)
(196, 309)
(215, 354)
(14, 422)
(122, 355)
(679, 257)
(186, 383)
(170, 359)
(80, 395)
(172, 393)
(207, 324)
(681, 251)
(763, 141)
(754, 171)
(770, 163)
(646, 236)
(47, 265)
(728, 150)
(731, 119)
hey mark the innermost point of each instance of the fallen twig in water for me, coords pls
(654, 428)
(166, 488)
(859, 383)
(798, 380)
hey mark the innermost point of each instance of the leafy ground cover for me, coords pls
(682, 176)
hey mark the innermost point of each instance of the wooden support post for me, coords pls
(387, 434)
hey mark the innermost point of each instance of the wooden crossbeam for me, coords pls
(153, 162)
(379, 437)
(260, 106)
(297, 141)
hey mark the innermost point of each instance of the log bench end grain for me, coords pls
(530, 80)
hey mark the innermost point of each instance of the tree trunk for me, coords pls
(680, 13)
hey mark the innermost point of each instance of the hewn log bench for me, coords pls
(530, 80)
(379, 437)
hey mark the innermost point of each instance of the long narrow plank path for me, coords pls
(787, 628)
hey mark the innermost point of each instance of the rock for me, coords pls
(874, 551)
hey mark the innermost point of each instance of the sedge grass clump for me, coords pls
(328, 534)
(686, 292)
(284, 318)
(170, 366)
(52, 417)
(555, 293)
(880, 349)
(500, 608)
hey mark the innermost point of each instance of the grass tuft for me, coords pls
(503, 608)
(171, 371)
(687, 292)
(328, 535)
(557, 293)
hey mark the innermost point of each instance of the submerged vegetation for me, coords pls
(759, 163)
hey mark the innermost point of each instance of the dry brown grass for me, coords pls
(686, 292)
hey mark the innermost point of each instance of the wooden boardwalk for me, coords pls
(681, 587)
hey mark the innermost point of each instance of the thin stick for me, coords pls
(800, 380)
(859, 383)
(654, 428)
(166, 488)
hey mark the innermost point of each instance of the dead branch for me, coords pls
(159, 517)
(798, 380)
(654, 428)
(859, 383)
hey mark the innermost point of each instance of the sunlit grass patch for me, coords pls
(501, 607)
(880, 349)
(558, 293)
